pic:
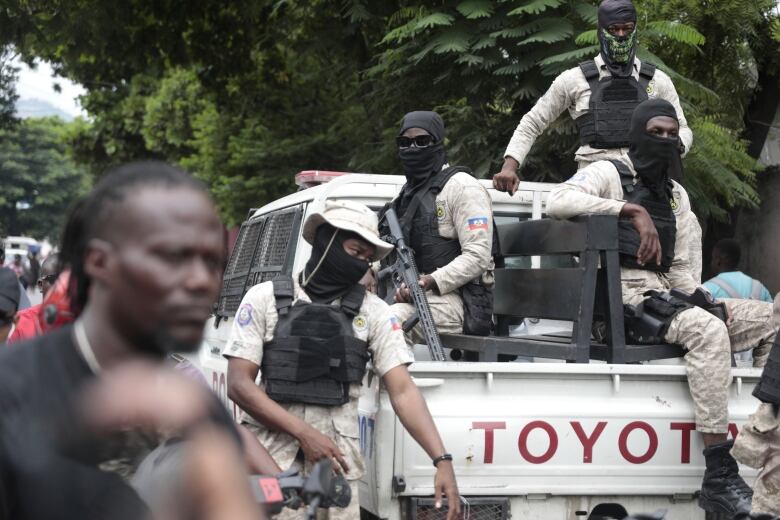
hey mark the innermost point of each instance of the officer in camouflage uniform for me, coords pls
(654, 245)
(447, 219)
(308, 338)
(620, 81)
(758, 444)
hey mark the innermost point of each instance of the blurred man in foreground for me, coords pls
(145, 251)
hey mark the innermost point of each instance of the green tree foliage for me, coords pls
(245, 93)
(38, 182)
(8, 95)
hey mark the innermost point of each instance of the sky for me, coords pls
(39, 84)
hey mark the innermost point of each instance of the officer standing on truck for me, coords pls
(310, 337)
(758, 443)
(600, 95)
(653, 252)
(447, 219)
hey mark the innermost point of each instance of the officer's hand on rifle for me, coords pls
(507, 179)
(649, 243)
(369, 281)
(445, 484)
(427, 283)
(317, 446)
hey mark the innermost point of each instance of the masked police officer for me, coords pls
(447, 220)
(758, 443)
(600, 95)
(653, 251)
(310, 337)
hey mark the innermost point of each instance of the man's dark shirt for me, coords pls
(48, 462)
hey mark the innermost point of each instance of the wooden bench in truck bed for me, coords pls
(587, 292)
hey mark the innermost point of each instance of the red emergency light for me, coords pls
(310, 178)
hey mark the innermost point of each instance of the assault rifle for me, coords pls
(404, 272)
(291, 489)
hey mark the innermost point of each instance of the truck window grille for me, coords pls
(265, 247)
(479, 508)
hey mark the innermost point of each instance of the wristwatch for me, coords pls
(443, 456)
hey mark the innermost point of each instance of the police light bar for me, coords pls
(310, 178)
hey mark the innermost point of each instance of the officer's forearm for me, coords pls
(411, 409)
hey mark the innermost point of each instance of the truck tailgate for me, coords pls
(551, 429)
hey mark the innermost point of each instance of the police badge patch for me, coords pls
(244, 314)
(359, 323)
(441, 210)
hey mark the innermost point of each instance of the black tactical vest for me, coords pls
(612, 102)
(431, 250)
(314, 355)
(768, 388)
(660, 210)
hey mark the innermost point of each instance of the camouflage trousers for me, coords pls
(446, 309)
(709, 344)
(758, 446)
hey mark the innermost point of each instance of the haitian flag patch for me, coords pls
(395, 323)
(478, 223)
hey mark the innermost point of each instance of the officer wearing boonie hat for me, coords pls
(309, 338)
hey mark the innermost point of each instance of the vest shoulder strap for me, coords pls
(442, 178)
(646, 73)
(353, 300)
(626, 177)
(589, 70)
(727, 288)
(284, 292)
(591, 73)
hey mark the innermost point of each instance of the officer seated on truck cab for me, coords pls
(653, 244)
(447, 219)
(310, 338)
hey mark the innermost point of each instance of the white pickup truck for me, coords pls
(535, 440)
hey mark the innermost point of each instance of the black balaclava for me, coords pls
(618, 52)
(651, 155)
(420, 163)
(331, 272)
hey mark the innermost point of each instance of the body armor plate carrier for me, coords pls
(314, 356)
(612, 101)
(660, 210)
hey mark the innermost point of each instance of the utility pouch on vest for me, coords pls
(477, 309)
(768, 388)
(647, 323)
(612, 102)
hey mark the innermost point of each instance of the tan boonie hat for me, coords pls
(349, 216)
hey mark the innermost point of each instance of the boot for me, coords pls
(723, 490)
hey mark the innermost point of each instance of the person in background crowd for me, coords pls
(31, 322)
(24, 300)
(18, 268)
(9, 301)
(33, 266)
(728, 281)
